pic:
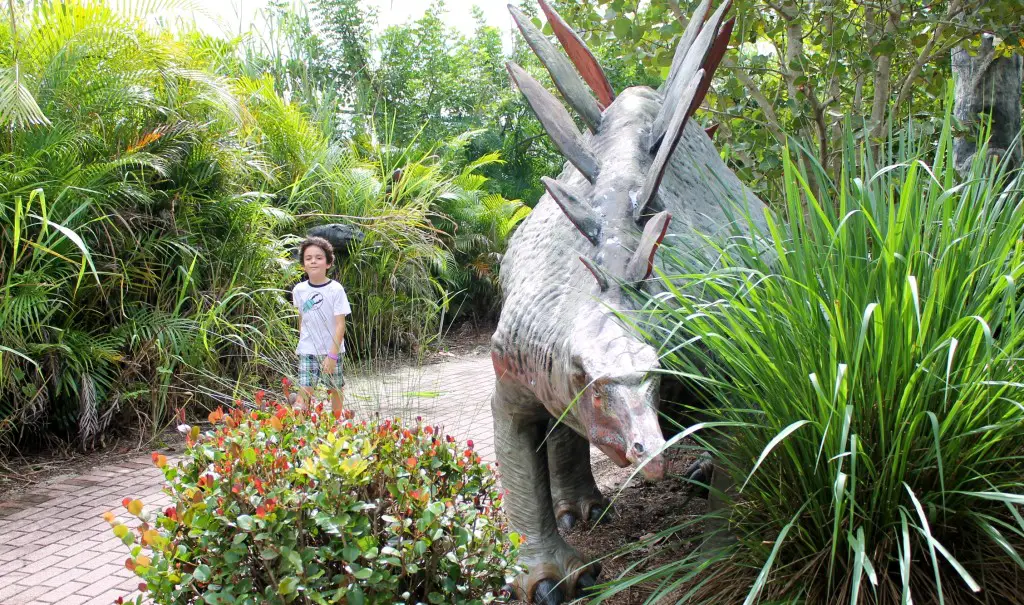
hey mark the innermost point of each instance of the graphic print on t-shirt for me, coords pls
(313, 302)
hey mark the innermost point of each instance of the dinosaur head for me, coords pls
(615, 376)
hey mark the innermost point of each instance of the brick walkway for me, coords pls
(56, 548)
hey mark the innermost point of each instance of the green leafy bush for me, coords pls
(867, 393)
(279, 506)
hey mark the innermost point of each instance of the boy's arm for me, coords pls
(339, 334)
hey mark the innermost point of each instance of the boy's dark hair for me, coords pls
(319, 242)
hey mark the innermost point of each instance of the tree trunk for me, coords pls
(883, 76)
(988, 86)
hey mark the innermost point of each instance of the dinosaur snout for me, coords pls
(649, 457)
(632, 438)
(623, 423)
(646, 443)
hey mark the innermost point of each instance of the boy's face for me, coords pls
(314, 261)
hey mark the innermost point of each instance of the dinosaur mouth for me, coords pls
(652, 467)
(614, 453)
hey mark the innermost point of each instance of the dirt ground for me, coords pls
(642, 510)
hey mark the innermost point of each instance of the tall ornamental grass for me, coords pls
(862, 364)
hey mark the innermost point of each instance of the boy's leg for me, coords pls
(337, 401)
(309, 375)
(336, 389)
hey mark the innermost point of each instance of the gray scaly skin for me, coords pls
(568, 372)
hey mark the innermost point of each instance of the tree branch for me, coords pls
(923, 58)
(762, 102)
(674, 5)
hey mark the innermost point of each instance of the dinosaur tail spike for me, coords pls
(556, 121)
(581, 56)
(715, 56)
(682, 74)
(673, 134)
(642, 263)
(568, 82)
(576, 209)
(602, 281)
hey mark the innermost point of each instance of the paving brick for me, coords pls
(92, 536)
(18, 554)
(107, 584)
(34, 526)
(41, 577)
(60, 592)
(77, 599)
(65, 576)
(99, 474)
(109, 569)
(43, 552)
(32, 537)
(10, 567)
(20, 515)
(108, 545)
(26, 595)
(40, 564)
(11, 585)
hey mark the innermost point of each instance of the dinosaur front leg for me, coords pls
(554, 569)
(573, 490)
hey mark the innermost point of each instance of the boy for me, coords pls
(322, 306)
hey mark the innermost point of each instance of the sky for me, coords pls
(235, 13)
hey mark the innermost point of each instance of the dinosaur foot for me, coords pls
(700, 472)
(594, 508)
(553, 584)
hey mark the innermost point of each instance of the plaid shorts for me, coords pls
(309, 372)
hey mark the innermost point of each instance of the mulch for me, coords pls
(642, 510)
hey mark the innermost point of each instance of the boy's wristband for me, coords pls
(333, 356)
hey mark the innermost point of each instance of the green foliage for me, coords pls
(135, 255)
(423, 80)
(277, 506)
(432, 236)
(861, 363)
(431, 79)
(480, 224)
(809, 71)
(145, 228)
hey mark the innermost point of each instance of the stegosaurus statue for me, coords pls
(568, 372)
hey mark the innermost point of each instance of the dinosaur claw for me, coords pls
(548, 592)
(586, 581)
(700, 473)
(566, 521)
(600, 514)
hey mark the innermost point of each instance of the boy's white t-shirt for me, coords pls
(319, 305)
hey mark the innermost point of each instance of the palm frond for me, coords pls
(18, 106)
